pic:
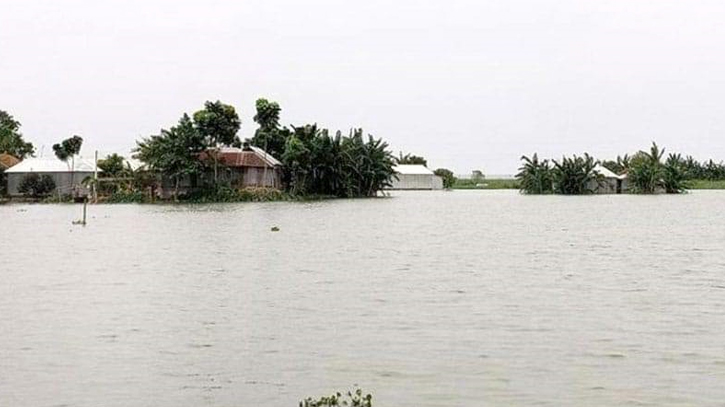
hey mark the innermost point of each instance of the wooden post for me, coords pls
(85, 205)
(95, 179)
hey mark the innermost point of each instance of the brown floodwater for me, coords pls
(464, 298)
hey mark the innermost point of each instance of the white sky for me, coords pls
(466, 83)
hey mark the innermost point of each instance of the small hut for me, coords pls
(611, 182)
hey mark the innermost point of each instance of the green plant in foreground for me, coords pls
(353, 398)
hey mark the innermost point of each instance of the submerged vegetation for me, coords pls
(353, 398)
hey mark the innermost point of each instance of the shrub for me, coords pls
(36, 186)
(448, 178)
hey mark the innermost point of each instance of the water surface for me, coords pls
(464, 298)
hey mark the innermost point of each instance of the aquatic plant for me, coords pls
(353, 398)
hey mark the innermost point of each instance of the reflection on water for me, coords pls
(425, 299)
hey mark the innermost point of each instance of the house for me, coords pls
(251, 167)
(248, 167)
(611, 183)
(415, 177)
(7, 161)
(67, 182)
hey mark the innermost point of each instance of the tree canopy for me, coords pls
(11, 140)
(411, 159)
(269, 136)
(68, 148)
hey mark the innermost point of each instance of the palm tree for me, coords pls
(535, 176)
(576, 175)
(674, 175)
(646, 171)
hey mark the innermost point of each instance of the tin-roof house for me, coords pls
(415, 177)
(68, 181)
(610, 183)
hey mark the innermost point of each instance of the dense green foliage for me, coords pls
(574, 176)
(36, 186)
(646, 173)
(11, 140)
(112, 166)
(411, 159)
(535, 176)
(68, 148)
(269, 136)
(217, 124)
(175, 152)
(689, 168)
(343, 166)
(449, 179)
(354, 398)
(314, 163)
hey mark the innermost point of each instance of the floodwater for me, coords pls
(464, 298)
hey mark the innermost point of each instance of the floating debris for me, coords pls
(275, 229)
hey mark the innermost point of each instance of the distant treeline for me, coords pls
(647, 172)
(691, 168)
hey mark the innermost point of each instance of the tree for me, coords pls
(646, 171)
(447, 175)
(68, 149)
(411, 159)
(674, 175)
(575, 176)
(11, 140)
(535, 176)
(269, 136)
(218, 125)
(174, 152)
(112, 166)
(36, 186)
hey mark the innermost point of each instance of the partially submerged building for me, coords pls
(251, 167)
(610, 183)
(248, 167)
(415, 177)
(68, 181)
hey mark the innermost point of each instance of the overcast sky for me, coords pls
(467, 83)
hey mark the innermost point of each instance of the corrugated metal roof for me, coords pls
(7, 161)
(411, 169)
(255, 157)
(51, 165)
(607, 173)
